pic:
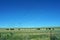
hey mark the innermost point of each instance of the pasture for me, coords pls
(29, 33)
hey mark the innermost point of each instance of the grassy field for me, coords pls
(30, 34)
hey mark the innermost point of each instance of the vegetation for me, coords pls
(34, 35)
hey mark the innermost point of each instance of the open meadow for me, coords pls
(29, 33)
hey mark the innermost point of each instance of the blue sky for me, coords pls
(29, 13)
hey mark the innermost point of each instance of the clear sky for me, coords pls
(29, 13)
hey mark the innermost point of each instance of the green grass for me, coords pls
(30, 34)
